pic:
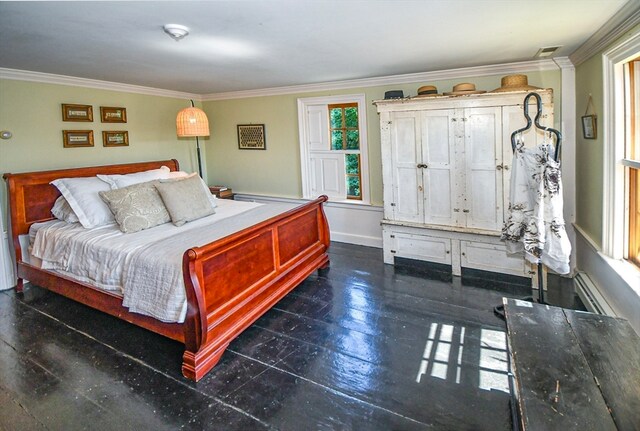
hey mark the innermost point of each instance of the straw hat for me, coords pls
(514, 83)
(427, 91)
(464, 88)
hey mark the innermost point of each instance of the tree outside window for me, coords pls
(345, 136)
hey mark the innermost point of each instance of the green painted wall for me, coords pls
(276, 171)
(590, 152)
(32, 112)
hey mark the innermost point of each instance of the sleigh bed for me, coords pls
(229, 283)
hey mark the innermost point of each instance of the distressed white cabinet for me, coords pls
(446, 165)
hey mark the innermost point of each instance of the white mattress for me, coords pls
(146, 266)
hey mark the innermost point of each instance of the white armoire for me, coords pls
(446, 164)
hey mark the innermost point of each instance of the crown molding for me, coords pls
(48, 78)
(624, 20)
(410, 78)
(564, 62)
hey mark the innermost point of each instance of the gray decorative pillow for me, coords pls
(136, 207)
(185, 199)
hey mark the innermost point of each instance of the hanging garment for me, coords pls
(535, 224)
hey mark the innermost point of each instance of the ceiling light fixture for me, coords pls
(176, 31)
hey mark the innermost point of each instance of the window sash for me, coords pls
(343, 129)
(314, 128)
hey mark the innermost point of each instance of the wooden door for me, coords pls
(439, 166)
(483, 154)
(405, 157)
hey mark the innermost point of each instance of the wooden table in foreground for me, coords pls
(573, 370)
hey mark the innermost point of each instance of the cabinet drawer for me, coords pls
(492, 257)
(422, 247)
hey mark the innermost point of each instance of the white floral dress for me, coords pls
(535, 224)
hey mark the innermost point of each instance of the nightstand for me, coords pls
(222, 192)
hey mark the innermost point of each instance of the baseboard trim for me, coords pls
(591, 296)
(610, 279)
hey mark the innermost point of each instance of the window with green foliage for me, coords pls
(352, 162)
(343, 121)
(344, 133)
(334, 158)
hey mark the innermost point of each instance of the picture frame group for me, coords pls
(74, 112)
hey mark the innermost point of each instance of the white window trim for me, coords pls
(614, 214)
(303, 131)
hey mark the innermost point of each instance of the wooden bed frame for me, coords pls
(229, 283)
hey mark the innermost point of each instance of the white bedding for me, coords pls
(146, 266)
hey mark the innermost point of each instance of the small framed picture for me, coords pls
(251, 137)
(77, 112)
(77, 138)
(589, 127)
(109, 114)
(118, 138)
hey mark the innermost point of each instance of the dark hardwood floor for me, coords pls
(361, 346)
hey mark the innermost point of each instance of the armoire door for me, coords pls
(407, 177)
(438, 166)
(483, 159)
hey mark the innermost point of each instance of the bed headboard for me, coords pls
(31, 197)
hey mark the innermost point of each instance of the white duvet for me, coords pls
(146, 266)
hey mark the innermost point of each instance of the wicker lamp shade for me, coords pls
(192, 122)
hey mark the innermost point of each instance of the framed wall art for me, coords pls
(110, 114)
(114, 138)
(77, 138)
(251, 137)
(589, 127)
(590, 121)
(72, 112)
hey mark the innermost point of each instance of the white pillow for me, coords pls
(63, 211)
(118, 181)
(177, 174)
(82, 195)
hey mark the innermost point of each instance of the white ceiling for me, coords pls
(244, 45)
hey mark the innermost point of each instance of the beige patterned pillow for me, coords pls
(136, 207)
(185, 199)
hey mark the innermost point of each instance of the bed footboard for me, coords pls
(232, 282)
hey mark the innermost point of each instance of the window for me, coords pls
(621, 126)
(333, 147)
(631, 159)
(345, 136)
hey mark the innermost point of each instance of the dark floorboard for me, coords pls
(361, 346)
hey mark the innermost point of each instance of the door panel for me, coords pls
(438, 177)
(327, 172)
(483, 153)
(318, 123)
(407, 181)
(423, 247)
